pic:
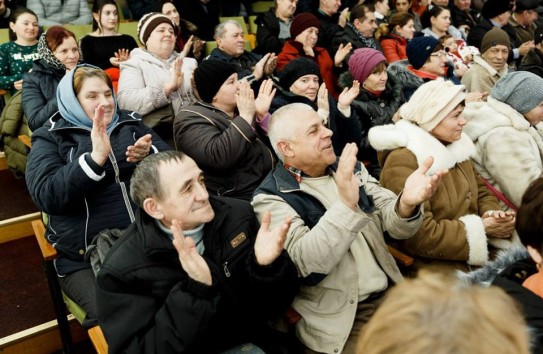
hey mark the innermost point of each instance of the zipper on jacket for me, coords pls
(226, 271)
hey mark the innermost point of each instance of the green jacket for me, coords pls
(12, 124)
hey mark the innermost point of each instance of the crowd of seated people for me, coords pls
(258, 191)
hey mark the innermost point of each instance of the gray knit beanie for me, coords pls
(521, 90)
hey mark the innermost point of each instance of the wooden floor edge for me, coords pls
(41, 339)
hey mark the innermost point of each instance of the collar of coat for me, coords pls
(478, 60)
(482, 117)
(422, 144)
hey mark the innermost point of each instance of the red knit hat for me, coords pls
(363, 61)
(302, 22)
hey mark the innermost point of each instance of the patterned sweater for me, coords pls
(15, 60)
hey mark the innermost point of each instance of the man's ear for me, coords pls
(284, 148)
(153, 209)
(536, 256)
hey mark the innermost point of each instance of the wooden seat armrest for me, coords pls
(3, 92)
(48, 252)
(98, 340)
(400, 257)
(25, 139)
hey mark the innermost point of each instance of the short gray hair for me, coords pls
(279, 129)
(145, 181)
(220, 29)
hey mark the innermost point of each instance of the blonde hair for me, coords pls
(83, 72)
(437, 313)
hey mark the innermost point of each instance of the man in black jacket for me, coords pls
(191, 275)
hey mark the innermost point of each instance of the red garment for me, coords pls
(534, 283)
(422, 74)
(394, 47)
(293, 49)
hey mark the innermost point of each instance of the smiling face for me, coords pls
(186, 198)
(161, 41)
(232, 41)
(285, 8)
(435, 64)
(310, 148)
(329, 7)
(407, 31)
(367, 26)
(535, 116)
(94, 92)
(307, 86)
(225, 98)
(68, 52)
(496, 56)
(450, 128)
(25, 27)
(377, 80)
(108, 18)
(169, 10)
(308, 37)
(463, 5)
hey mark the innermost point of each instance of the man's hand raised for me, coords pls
(191, 261)
(269, 243)
(346, 181)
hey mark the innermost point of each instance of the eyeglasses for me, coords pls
(440, 54)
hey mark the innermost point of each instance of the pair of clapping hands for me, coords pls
(101, 145)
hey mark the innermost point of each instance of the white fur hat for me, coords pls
(431, 103)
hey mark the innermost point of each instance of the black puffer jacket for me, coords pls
(148, 304)
(81, 197)
(39, 93)
(233, 155)
(373, 111)
(267, 35)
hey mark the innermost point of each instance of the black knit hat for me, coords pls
(493, 8)
(209, 77)
(295, 70)
(419, 50)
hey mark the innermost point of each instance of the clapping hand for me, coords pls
(245, 99)
(176, 77)
(347, 96)
(101, 146)
(419, 188)
(269, 243)
(498, 223)
(119, 56)
(342, 52)
(346, 182)
(140, 149)
(191, 261)
(264, 98)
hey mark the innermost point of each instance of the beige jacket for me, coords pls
(481, 77)
(328, 309)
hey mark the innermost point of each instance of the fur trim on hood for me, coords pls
(399, 70)
(421, 144)
(486, 275)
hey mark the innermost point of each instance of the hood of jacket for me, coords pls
(482, 117)
(403, 75)
(144, 54)
(422, 144)
(487, 274)
(42, 67)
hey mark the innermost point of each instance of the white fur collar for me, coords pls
(485, 116)
(422, 144)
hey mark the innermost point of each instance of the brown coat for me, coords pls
(452, 229)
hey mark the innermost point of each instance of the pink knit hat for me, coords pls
(363, 61)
